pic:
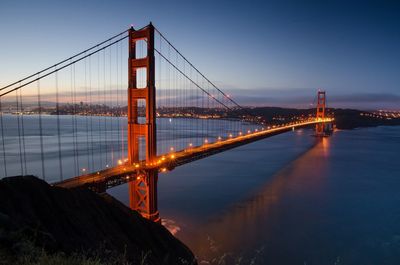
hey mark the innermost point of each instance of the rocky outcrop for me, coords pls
(76, 220)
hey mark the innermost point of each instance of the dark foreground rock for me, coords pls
(80, 221)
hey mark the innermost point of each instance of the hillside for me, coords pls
(35, 215)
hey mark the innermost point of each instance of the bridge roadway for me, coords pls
(110, 177)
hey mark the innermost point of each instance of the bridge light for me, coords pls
(163, 169)
(124, 168)
(119, 162)
(137, 165)
(240, 133)
(248, 131)
(172, 156)
(205, 141)
(163, 158)
(190, 144)
(98, 173)
(138, 178)
(230, 135)
(219, 138)
(256, 130)
(127, 177)
(171, 149)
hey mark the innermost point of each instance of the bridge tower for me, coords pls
(142, 190)
(321, 103)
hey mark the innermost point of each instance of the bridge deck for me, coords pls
(117, 175)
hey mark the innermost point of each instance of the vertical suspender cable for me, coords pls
(99, 114)
(3, 140)
(19, 133)
(76, 124)
(111, 97)
(72, 121)
(23, 131)
(91, 114)
(58, 128)
(105, 107)
(86, 113)
(41, 130)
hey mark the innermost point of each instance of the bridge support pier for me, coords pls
(143, 195)
(143, 190)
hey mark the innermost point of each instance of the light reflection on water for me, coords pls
(291, 199)
(256, 218)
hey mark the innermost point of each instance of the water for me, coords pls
(289, 199)
(89, 144)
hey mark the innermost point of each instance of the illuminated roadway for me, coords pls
(124, 173)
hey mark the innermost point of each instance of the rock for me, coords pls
(73, 220)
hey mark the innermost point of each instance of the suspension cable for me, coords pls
(63, 61)
(64, 66)
(222, 92)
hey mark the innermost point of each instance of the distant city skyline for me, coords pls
(263, 53)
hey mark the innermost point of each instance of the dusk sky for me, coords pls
(262, 52)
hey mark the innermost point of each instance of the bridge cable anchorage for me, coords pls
(65, 60)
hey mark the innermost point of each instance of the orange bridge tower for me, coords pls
(142, 190)
(321, 104)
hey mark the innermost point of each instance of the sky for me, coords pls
(263, 53)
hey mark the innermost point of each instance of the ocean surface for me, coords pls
(288, 199)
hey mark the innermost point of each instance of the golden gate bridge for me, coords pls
(94, 130)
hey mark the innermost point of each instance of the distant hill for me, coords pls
(344, 118)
